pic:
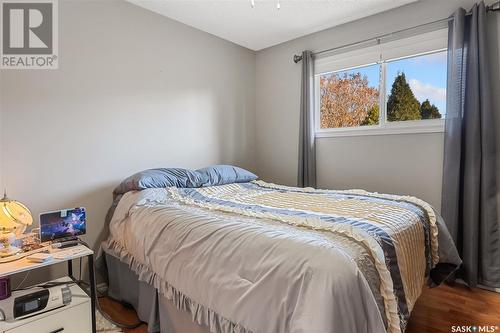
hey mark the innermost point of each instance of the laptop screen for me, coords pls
(65, 223)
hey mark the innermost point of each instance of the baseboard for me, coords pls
(480, 286)
(495, 290)
(102, 287)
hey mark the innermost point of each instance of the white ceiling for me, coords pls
(265, 25)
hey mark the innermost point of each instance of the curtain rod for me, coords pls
(296, 58)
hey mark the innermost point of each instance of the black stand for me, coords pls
(93, 296)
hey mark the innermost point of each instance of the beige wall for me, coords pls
(406, 164)
(134, 90)
(381, 163)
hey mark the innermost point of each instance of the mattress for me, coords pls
(259, 257)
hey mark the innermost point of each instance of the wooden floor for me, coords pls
(436, 311)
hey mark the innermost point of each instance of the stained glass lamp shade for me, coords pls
(14, 218)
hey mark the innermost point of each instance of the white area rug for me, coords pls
(104, 326)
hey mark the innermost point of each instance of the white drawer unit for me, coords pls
(75, 319)
(72, 318)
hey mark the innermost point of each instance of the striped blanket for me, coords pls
(399, 232)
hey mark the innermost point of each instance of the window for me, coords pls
(395, 87)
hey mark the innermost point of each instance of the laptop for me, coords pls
(63, 225)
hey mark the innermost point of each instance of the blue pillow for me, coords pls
(224, 174)
(160, 178)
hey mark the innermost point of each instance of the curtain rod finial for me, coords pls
(297, 58)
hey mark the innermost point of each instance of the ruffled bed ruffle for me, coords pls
(199, 313)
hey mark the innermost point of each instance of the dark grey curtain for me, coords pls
(307, 149)
(469, 204)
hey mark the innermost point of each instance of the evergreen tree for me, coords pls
(402, 104)
(428, 111)
(372, 117)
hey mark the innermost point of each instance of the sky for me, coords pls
(425, 74)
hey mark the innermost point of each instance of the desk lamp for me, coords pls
(14, 218)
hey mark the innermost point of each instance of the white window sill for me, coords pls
(403, 127)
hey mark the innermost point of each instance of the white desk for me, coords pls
(24, 265)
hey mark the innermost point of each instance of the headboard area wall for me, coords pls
(134, 90)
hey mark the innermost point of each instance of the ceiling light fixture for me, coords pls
(278, 4)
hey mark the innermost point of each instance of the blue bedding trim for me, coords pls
(421, 212)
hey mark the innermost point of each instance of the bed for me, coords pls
(216, 250)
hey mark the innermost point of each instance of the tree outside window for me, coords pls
(351, 98)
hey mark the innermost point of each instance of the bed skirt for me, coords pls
(151, 307)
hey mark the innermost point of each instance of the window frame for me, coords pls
(423, 44)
